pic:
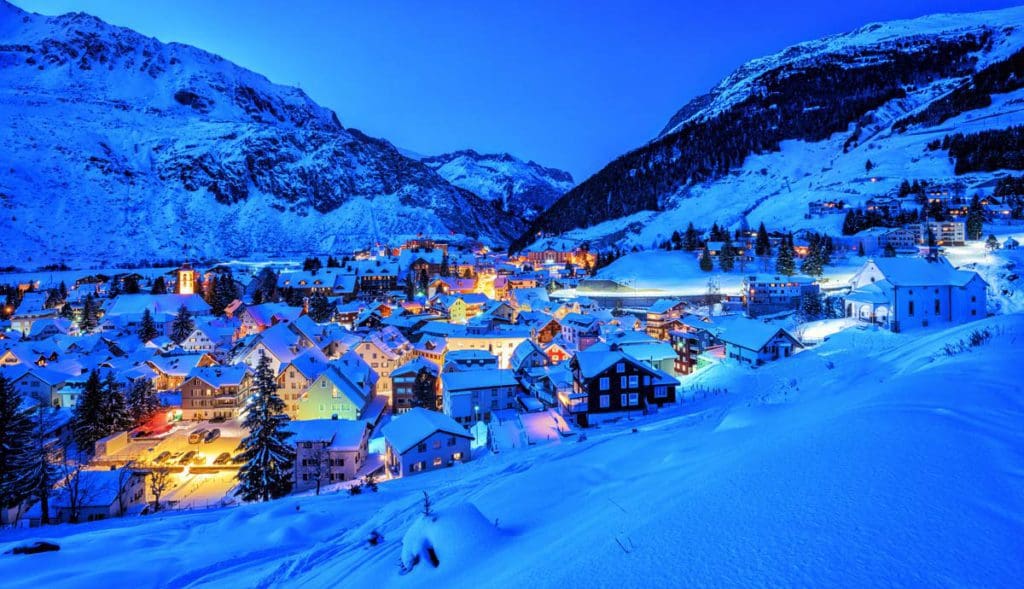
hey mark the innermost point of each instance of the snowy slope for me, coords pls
(116, 143)
(872, 460)
(522, 188)
(644, 195)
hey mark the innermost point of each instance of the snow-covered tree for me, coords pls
(784, 262)
(15, 442)
(89, 424)
(182, 325)
(320, 309)
(705, 260)
(763, 245)
(727, 257)
(89, 320)
(147, 327)
(159, 286)
(143, 400)
(269, 457)
(115, 407)
(40, 465)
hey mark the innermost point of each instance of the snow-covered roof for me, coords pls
(135, 304)
(339, 434)
(750, 334)
(417, 424)
(485, 378)
(912, 271)
(219, 376)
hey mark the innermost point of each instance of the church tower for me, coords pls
(186, 279)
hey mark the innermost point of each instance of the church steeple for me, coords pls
(186, 279)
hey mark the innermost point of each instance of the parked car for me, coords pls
(174, 457)
(197, 436)
(162, 457)
(218, 419)
(212, 435)
(187, 457)
(222, 458)
(238, 459)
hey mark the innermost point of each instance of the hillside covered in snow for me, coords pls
(523, 188)
(875, 459)
(120, 147)
(803, 125)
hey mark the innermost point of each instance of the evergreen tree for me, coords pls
(159, 286)
(147, 327)
(320, 309)
(810, 306)
(726, 257)
(860, 249)
(762, 245)
(15, 442)
(269, 457)
(784, 262)
(210, 291)
(444, 265)
(115, 287)
(424, 390)
(131, 284)
(889, 251)
(850, 223)
(975, 219)
(89, 423)
(67, 311)
(116, 417)
(40, 464)
(812, 264)
(142, 400)
(89, 320)
(227, 292)
(63, 290)
(182, 325)
(705, 260)
(676, 240)
(691, 239)
(992, 243)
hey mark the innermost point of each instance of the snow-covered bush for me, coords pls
(448, 538)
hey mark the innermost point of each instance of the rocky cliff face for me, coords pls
(118, 147)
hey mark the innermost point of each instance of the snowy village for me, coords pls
(805, 351)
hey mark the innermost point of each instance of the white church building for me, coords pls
(904, 294)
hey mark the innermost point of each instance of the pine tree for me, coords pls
(320, 309)
(15, 443)
(40, 465)
(992, 243)
(226, 292)
(812, 264)
(269, 457)
(89, 320)
(810, 306)
(63, 290)
(116, 417)
(159, 286)
(784, 262)
(182, 326)
(131, 284)
(89, 424)
(147, 327)
(691, 239)
(860, 249)
(726, 257)
(850, 223)
(210, 291)
(705, 260)
(975, 219)
(142, 400)
(763, 245)
(889, 251)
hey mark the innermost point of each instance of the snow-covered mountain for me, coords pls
(118, 145)
(524, 188)
(802, 124)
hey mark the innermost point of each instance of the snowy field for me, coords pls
(872, 460)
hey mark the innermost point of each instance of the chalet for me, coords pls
(208, 338)
(384, 351)
(527, 356)
(820, 208)
(296, 376)
(887, 206)
(171, 371)
(755, 342)
(470, 396)
(580, 331)
(909, 293)
(344, 390)
(31, 309)
(101, 494)
(328, 451)
(412, 383)
(211, 392)
(661, 314)
(258, 318)
(771, 293)
(613, 382)
(421, 440)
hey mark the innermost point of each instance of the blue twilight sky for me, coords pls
(567, 84)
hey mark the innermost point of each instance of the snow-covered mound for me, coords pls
(874, 459)
(522, 188)
(802, 125)
(117, 145)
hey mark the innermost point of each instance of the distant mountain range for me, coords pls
(116, 147)
(804, 124)
(525, 188)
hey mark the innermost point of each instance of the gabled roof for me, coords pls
(414, 366)
(219, 376)
(664, 306)
(416, 425)
(339, 434)
(523, 351)
(907, 271)
(484, 378)
(750, 334)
